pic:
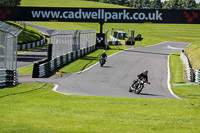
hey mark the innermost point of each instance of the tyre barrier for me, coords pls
(44, 67)
(8, 78)
(2, 77)
(197, 76)
(31, 45)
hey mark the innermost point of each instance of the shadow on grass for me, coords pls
(176, 54)
(23, 92)
(89, 58)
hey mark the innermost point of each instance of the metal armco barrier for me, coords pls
(45, 68)
(31, 45)
(188, 68)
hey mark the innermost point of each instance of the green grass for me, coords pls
(184, 91)
(90, 59)
(26, 70)
(176, 68)
(33, 108)
(193, 53)
(152, 33)
(29, 34)
(67, 3)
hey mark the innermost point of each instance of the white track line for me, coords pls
(55, 89)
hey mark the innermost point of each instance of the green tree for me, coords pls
(174, 4)
(10, 2)
(131, 3)
(137, 4)
(180, 4)
(166, 5)
(156, 4)
(146, 4)
(189, 4)
(198, 6)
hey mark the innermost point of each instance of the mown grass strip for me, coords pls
(26, 70)
(33, 108)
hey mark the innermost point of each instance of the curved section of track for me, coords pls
(115, 78)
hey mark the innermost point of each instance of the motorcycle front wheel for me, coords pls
(139, 88)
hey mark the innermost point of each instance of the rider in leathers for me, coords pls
(144, 76)
(104, 56)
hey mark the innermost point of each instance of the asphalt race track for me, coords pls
(115, 78)
(28, 58)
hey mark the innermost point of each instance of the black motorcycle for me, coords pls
(102, 61)
(138, 85)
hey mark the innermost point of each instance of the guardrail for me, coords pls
(44, 68)
(8, 77)
(187, 64)
(31, 45)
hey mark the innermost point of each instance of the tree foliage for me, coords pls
(154, 4)
(10, 2)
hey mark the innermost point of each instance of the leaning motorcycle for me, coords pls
(102, 61)
(137, 86)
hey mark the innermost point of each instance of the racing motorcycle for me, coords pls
(138, 85)
(102, 61)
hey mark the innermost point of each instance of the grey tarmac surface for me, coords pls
(28, 58)
(115, 78)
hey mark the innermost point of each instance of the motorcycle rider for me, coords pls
(104, 55)
(143, 76)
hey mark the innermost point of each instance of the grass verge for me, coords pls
(33, 108)
(26, 70)
(184, 91)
